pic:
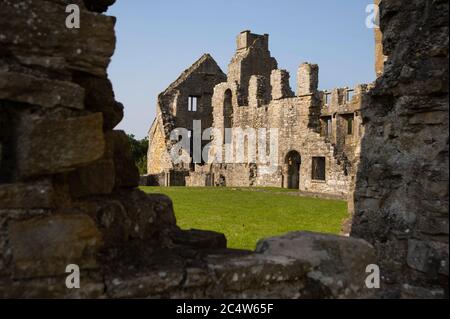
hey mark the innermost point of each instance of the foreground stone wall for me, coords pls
(401, 196)
(67, 183)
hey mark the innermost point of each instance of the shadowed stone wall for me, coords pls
(401, 196)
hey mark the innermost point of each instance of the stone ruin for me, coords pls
(318, 131)
(68, 187)
(401, 192)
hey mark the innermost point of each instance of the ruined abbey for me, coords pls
(318, 132)
(69, 188)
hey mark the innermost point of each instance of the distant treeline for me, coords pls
(139, 150)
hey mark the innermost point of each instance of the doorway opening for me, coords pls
(293, 161)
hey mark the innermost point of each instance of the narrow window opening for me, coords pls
(318, 168)
(227, 116)
(326, 126)
(327, 98)
(350, 121)
(350, 94)
(192, 103)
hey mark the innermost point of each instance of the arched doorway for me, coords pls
(293, 162)
(227, 115)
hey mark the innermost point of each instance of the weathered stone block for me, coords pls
(39, 194)
(40, 91)
(52, 288)
(145, 285)
(147, 214)
(100, 98)
(339, 263)
(428, 257)
(95, 179)
(45, 246)
(199, 239)
(50, 146)
(38, 27)
(111, 219)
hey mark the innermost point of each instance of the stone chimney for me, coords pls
(279, 80)
(257, 91)
(307, 79)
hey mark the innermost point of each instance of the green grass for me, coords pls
(246, 215)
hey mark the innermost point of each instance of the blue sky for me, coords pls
(158, 39)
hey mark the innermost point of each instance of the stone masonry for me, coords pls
(318, 131)
(401, 193)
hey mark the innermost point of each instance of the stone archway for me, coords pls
(293, 162)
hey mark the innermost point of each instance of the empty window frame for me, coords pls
(193, 103)
(349, 95)
(350, 125)
(318, 168)
(326, 98)
(326, 126)
(329, 127)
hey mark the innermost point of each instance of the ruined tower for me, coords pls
(252, 57)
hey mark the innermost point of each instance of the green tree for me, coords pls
(139, 150)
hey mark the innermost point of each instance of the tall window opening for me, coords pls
(318, 168)
(193, 103)
(350, 121)
(293, 161)
(227, 116)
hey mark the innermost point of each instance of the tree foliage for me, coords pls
(139, 150)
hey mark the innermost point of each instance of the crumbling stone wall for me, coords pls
(252, 58)
(67, 177)
(173, 112)
(257, 95)
(401, 196)
(299, 120)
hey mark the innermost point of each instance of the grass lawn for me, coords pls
(245, 215)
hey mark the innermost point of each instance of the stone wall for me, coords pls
(301, 122)
(401, 196)
(173, 111)
(67, 177)
(256, 95)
